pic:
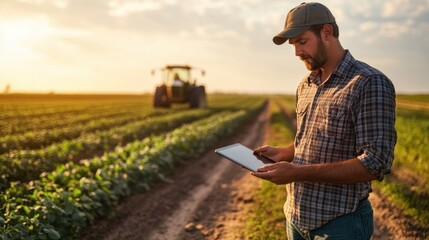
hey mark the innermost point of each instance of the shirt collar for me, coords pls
(344, 65)
(313, 77)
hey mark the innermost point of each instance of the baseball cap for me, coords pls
(301, 18)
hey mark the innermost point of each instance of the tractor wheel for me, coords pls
(160, 99)
(198, 98)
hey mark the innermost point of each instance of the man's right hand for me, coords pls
(273, 153)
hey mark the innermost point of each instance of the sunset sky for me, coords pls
(110, 46)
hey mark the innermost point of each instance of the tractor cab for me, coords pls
(177, 87)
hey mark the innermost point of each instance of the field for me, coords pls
(69, 160)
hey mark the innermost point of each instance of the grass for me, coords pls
(413, 140)
(266, 219)
(413, 200)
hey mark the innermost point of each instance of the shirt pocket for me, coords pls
(336, 122)
(301, 115)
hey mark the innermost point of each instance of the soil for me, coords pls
(208, 198)
(392, 223)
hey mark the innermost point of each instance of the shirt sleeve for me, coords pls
(375, 125)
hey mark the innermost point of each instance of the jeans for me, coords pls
(356, 225)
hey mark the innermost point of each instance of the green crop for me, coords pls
(26, 165)
(61, 202)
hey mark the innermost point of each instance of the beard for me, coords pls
(318, 60)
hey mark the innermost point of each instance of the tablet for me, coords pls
(243, 156)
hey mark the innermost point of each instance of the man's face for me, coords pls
(310, 49)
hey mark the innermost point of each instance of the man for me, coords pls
(345, 133)
(177, 82)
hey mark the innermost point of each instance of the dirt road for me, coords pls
(199, 190)
(207, 198)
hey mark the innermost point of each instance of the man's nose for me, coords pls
(298, 51)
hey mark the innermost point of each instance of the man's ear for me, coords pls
(327, 32)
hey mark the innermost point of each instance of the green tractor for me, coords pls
(178, 88)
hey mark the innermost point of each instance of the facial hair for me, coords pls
(318, 60)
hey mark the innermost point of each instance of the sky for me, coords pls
(111, 46)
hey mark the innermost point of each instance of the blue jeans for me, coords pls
(356, 225)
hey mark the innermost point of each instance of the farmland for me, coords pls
(69, 160)
(59, 175)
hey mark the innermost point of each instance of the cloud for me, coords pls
(367, 26)
(213, 32)
(122, 39)
(405, 8)
(121, 9)
(201, 7)
(57, 3)
(60, 3)
(379, 9)
(379, 21)
(389, 30)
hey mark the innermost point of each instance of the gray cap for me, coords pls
(301, 18)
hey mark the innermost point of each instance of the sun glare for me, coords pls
(18, 37)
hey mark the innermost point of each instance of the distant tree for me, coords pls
(7, 89)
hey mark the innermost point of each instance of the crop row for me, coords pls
(231, 101)
(62, 202)
(27, 165)
(42, 106)
(57, 118)
(31, 108)
(19, 125)
(35, 110)
(44, 137)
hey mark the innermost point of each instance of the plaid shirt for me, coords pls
(350, 115)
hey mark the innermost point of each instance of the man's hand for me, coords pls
(272, 153)
(278, 173)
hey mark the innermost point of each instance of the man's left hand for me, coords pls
(278, 173)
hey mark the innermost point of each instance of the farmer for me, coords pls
(345, 133)
(177, 82)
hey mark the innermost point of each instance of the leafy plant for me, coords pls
(62, 202)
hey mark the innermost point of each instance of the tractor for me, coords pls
(178, 88)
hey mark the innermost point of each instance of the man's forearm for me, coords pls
(346, 172)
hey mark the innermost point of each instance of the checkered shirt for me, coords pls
(350, 115)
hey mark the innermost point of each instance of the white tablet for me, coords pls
(243, 156)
